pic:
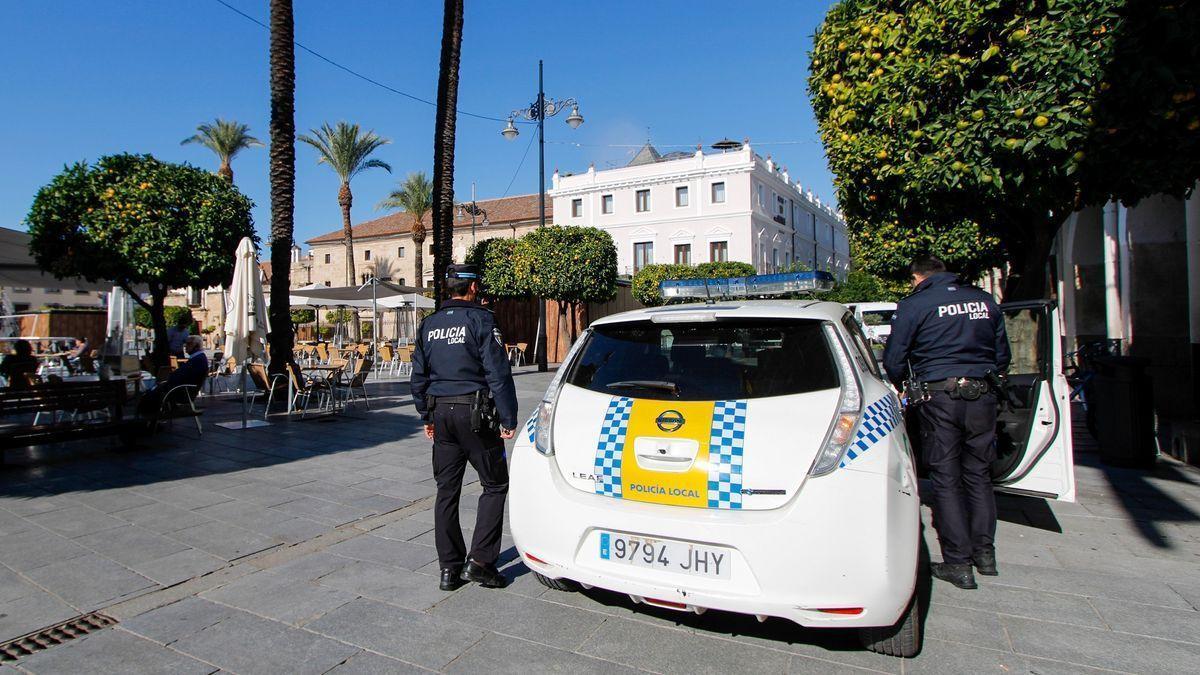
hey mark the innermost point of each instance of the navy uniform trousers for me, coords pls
(455, 444)
(958, 446)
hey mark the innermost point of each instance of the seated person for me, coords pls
(191, 372)
(79, 349)
(19, 366)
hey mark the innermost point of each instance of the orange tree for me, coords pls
(140, 223)
(1005, 113)
(571, 265)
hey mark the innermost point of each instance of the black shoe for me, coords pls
(959, 575)
(451, 579)
(985, 563)
(485, 575)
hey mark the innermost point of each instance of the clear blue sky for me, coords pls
(83, 79)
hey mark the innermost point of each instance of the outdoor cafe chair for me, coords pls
(387, 359)
(357, 380)
(180, 401)
(404, 358)
(518, 354)
(323, 352)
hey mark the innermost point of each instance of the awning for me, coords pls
(387, 295)
(19, 270)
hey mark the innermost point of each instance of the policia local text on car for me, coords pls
(948, 342)
(463, 388)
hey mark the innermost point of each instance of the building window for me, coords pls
(327, 283)
(643, 254)
(20, 307)
(643, 201)
(762, 199)
(718, 251)
(402, 282)
(681, 196)
(78, 292)
(367, 254)
(774, 260)
(576, 208)
(400, 252)
(718, 193)
(683, 254)
(326, 258)
(780, 206)
(53, 291)
(606, 204)
(21, 290)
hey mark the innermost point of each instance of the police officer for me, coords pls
(461, 380)
(951, 335)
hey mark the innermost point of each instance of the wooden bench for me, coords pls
(64, 404)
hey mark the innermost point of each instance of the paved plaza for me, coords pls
(306, 547)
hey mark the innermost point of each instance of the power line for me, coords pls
(518, 171)
(355, 73)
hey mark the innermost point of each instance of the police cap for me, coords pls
(462, 272)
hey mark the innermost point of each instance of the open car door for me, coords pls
(1034, 454)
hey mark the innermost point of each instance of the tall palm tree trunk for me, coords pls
(346, 200)
(283, 178)
(419, 260)
(443, 145)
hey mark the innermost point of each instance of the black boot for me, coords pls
(985, 562)
(451, 579)
(959, 575)
(485, 575)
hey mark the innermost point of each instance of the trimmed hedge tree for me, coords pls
(139, 222)
(646, 281)
(1006, 114)
(571, 265)
(495, 259)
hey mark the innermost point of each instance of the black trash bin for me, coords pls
(1121, 398)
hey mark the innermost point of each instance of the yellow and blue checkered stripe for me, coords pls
(725, 453)
(879, 419)
(610, 446)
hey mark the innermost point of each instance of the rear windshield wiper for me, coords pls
(645, 384)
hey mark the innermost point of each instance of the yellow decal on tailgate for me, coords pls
(666, 452)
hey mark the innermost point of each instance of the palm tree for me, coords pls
(443, 143)
(226, 138)
(414, 196)
(347, 152)
(283, 177)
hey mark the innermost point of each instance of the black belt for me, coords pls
(468, 399)
(950, 383)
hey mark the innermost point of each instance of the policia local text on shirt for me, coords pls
(463, 388)
(948, 342)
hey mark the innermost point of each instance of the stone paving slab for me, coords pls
(1108, 583)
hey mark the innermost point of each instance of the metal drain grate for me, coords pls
(54, 635)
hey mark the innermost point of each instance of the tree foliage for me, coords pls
(646, 281)
(136, 221)
(300, 316)
(1008, 114)
(495, 259)
(226, 138)
(568, 264)
(172, 313)
(862, 286)
(887, 250)
(414, 197)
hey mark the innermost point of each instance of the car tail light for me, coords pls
(852, 611)
(536, 559)
(841, 432)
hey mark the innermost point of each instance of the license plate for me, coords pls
(665, 554)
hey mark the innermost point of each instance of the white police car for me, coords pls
(742, 456)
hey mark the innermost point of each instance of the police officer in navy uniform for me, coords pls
(458, 362)
(948, 338)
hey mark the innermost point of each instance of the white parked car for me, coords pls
(875, 318)
(741, 456)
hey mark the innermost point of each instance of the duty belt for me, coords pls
(466, 399)
(952, 383)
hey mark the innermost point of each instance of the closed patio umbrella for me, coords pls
(246, 320)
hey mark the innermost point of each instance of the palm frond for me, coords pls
(345, 149)
(226, 138)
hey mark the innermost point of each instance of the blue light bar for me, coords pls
(745, 287)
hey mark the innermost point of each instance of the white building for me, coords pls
(691, 208)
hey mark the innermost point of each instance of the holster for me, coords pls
(915, 392)
(483, 412)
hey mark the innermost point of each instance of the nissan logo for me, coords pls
(669, 420)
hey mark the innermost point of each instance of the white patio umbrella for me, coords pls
(246, 320)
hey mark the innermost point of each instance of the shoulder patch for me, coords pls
(499, 338)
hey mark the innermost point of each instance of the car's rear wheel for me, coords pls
(556, 584)
(902, 639)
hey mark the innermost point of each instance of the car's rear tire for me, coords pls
(556, 584)
(902, 639)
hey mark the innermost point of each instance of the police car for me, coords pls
(748, 456)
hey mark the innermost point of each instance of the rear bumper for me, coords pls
(848, 540)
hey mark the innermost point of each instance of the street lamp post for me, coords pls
(538, 112)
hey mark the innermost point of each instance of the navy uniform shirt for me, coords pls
(459, 351)
(946, 329)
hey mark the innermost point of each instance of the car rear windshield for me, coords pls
(706, 361)
(878, 317)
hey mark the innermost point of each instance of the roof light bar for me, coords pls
(745, 287)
